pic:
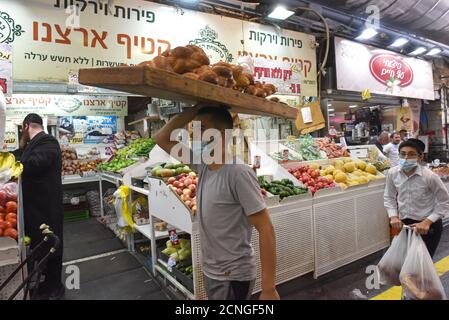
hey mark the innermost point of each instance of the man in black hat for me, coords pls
(40, 155)
(416, 196)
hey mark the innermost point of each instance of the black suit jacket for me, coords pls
(41, 185)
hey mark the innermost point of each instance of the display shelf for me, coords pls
(152, 82)
(115, 179)
(78, 179)
(173, 281)
(146, 231)
(139, 190)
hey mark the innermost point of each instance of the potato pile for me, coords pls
(71, 165)
(192, 62)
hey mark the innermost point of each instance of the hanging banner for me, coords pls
(361, 67)
(5, 67)
(415, 107)
(64, 105)
(51, 38)
(404, 119)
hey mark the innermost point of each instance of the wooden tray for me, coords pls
(158, 83)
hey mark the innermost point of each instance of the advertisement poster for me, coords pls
(5, 67)
(51, 41)
(66, 105)
(361, 67)
(87, 129)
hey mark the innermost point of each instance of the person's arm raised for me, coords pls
(162, 137)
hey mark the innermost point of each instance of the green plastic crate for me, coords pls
(70, 216)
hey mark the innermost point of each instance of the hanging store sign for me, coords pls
(5, 67)
(361, 67)
(50, 39)
(63, 105)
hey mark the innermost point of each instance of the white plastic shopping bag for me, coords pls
(418, 277)
(389, 267)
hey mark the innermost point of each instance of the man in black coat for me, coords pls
(40, 155)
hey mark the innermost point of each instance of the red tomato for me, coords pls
(10, 215)
(2, 216)
(11, 233)
(12, 222)
(320, 185)
(2, 209)
(11, 206)
(1, 232)
(313, 190)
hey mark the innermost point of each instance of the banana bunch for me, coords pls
(9, 167)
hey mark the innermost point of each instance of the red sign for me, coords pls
(388, 68)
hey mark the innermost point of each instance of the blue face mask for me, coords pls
(198, 148)
(408, 164)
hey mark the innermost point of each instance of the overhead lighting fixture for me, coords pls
(399, 42)
(434, 51)
(418, 51)
(367, 34)
(280, 13)
(329, 104)
(331, 115)
(330, 110)
(353, 106)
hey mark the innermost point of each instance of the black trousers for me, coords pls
(432, 239)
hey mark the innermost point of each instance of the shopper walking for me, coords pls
(229, 203)
(391, 150)
(40, 155)
(416, 196)
(381, 140)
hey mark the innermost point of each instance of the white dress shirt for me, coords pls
(420, 196)
(391, 150)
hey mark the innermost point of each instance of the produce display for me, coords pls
(348, 172)
(377, 159)
(442, 172)
(185, 185)
(125, 156)
(140, 147)
(283, 188)
(305, 147)
(170, 170)
(332, 149)
(8, 210)
(70, 167)
(180, 252)
(310, 177)
(116, 164)
(192, 62)
(279, 156)
(9, 167)
(68, 153)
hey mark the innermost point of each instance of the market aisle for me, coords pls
(107, 269)
(348, 283)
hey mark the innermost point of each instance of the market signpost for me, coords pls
(361, 67)
(132, 31)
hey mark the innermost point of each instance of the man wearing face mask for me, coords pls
(40, 155)
(229, 205)
(416, 196)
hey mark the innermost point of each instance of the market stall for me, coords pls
(12, 237)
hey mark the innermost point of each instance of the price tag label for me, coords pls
(285, 155)
(306, 115)
(256, 162)
(170, 264)
(173, 236)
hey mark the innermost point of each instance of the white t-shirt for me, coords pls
(392, 152)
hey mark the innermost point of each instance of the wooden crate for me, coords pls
(157, 83)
